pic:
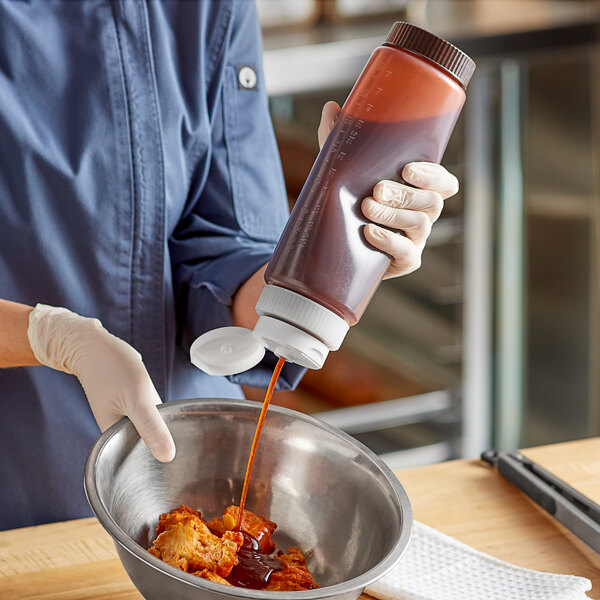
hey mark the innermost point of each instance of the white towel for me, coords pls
(438, 567)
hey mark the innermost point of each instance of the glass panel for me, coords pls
(560, 198)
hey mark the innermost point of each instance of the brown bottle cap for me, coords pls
(432, 47)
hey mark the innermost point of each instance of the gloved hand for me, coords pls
(110, 371)
(410, 211)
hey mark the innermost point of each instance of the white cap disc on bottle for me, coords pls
(227, 351)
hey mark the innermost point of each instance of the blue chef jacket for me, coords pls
(139, 184)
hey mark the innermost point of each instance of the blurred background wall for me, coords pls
(496, 339)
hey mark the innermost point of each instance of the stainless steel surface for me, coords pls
(322, 57)
(389, 413)
(416, 457)
(478, 264)
(511, 252)
(328, 494)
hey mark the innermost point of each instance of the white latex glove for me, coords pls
(110, 371)
(409, 211)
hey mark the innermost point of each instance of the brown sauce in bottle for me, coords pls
(402, 109)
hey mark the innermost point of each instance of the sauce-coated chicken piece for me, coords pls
(206, 574)
(295, 576)
(187, 543)
(210, 550)
(258, 527)
(168, 519)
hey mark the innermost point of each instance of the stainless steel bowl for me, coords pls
(328, 494)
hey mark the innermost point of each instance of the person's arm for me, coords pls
(244, 301)
(237, 208)
(111, 372)
(15, 350)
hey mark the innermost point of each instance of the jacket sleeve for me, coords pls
(236, 221)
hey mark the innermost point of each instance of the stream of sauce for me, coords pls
(259, 426)
(254, 568)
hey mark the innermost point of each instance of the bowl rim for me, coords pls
(131, 546)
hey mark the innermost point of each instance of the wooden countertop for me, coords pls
(468, 500)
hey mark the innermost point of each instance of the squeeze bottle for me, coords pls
(323, 273)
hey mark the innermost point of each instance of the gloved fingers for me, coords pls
(405, 254)
(104, 417)
(117, 384)
(140, 401)
(399, 196)
(152, 429)
(431, 176)
(329, 116)
(111, 372)
(414, 224)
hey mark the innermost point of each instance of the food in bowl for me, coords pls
(216, 550)
(327, 493)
